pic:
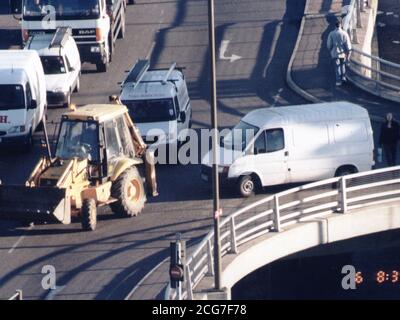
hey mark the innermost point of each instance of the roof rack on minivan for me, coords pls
(137, 72)
(172, 68)
(60, 37)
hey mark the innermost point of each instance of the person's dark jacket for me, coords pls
(389, 135)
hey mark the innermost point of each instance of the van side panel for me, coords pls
(319, 149)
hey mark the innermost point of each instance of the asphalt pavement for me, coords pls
(107, 263)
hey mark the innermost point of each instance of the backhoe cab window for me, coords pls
(78, 139)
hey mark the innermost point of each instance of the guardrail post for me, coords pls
(343, 195)
(189, 287)
(233, 237)
(277, 220)
(210, 262)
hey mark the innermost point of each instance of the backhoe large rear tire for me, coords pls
(129, 191)
(89, 215)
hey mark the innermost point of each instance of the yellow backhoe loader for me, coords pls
(100, 159)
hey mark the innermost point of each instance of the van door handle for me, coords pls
(286, 153)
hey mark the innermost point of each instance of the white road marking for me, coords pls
(396, 41)
(20, 239)
(52, 293)
(379, 12)
(389, 13)
(222, 51)
(277, 97)
(144, 279)
(381, 24)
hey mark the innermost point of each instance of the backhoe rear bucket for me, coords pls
(38, 204)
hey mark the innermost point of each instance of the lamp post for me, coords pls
(215, 146)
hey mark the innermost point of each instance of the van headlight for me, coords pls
(16, 129)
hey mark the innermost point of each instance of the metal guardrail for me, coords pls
(271, 214)
(17, 295)
(378, 76)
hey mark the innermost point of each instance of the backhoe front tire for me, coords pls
(89, 215)
(129, 191)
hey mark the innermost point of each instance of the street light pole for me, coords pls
(215, 146)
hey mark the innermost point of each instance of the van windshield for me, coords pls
(239, 137)
(11, 97)
(53, 65)
(157, 110)
(63, 9)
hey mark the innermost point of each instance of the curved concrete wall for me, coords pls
(307, 234)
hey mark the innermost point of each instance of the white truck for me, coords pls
(22, 96)
(294, 144)
(158, 100)
(61, 63)
(96, 24)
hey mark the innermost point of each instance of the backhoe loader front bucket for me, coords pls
(34, 204)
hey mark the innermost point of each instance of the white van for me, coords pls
(61, 63)
(295, 144)
(22, 96)
(158, 102)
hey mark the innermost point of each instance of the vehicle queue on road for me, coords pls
(47, 71)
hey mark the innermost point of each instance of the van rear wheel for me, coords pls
(344, 171)
(246, 186)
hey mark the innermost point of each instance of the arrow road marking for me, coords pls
(222, 51)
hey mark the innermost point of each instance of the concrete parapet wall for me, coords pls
(304, 235)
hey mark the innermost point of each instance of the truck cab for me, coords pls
(96, 24)
(61, 63)
(158, 102)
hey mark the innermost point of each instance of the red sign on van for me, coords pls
(3, 119)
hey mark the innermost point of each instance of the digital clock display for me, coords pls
(380, 277)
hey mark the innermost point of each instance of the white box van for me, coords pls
(158, 102)
(61, 63)
(22, 96)
(295, 144)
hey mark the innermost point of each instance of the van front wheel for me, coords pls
(246, 186)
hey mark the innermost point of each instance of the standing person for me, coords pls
(339, 45)
(389, 138)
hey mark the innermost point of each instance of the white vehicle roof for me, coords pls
(331, 111)
(42, 44)
(151, 86)
(14, 64)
